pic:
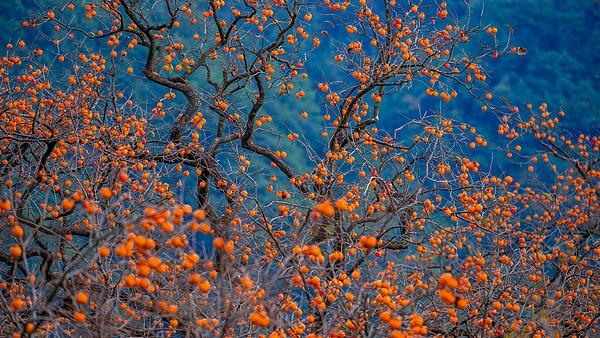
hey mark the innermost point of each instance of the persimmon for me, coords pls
(259, 319)
(79, 316)
(5, 205)
(325, 208)
(17, 231)
(341, 204)
(461, 303)
(395, 323)
(205, 228)
(447, 280)
(106, 193)
(130, 281)
(81, 297)
(15, 251)
(416, 320)
(447, 296)
(16, 304)
(368, 242)
(68, 204)
(482, 277)
(219, 243)
(104, 251)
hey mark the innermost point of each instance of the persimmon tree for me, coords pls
(147, 190)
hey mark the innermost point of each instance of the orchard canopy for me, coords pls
(287, 168)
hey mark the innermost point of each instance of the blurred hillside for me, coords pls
(560, 68)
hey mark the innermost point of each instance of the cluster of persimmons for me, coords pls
(151, 184)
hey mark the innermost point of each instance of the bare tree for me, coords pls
(146, 187)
